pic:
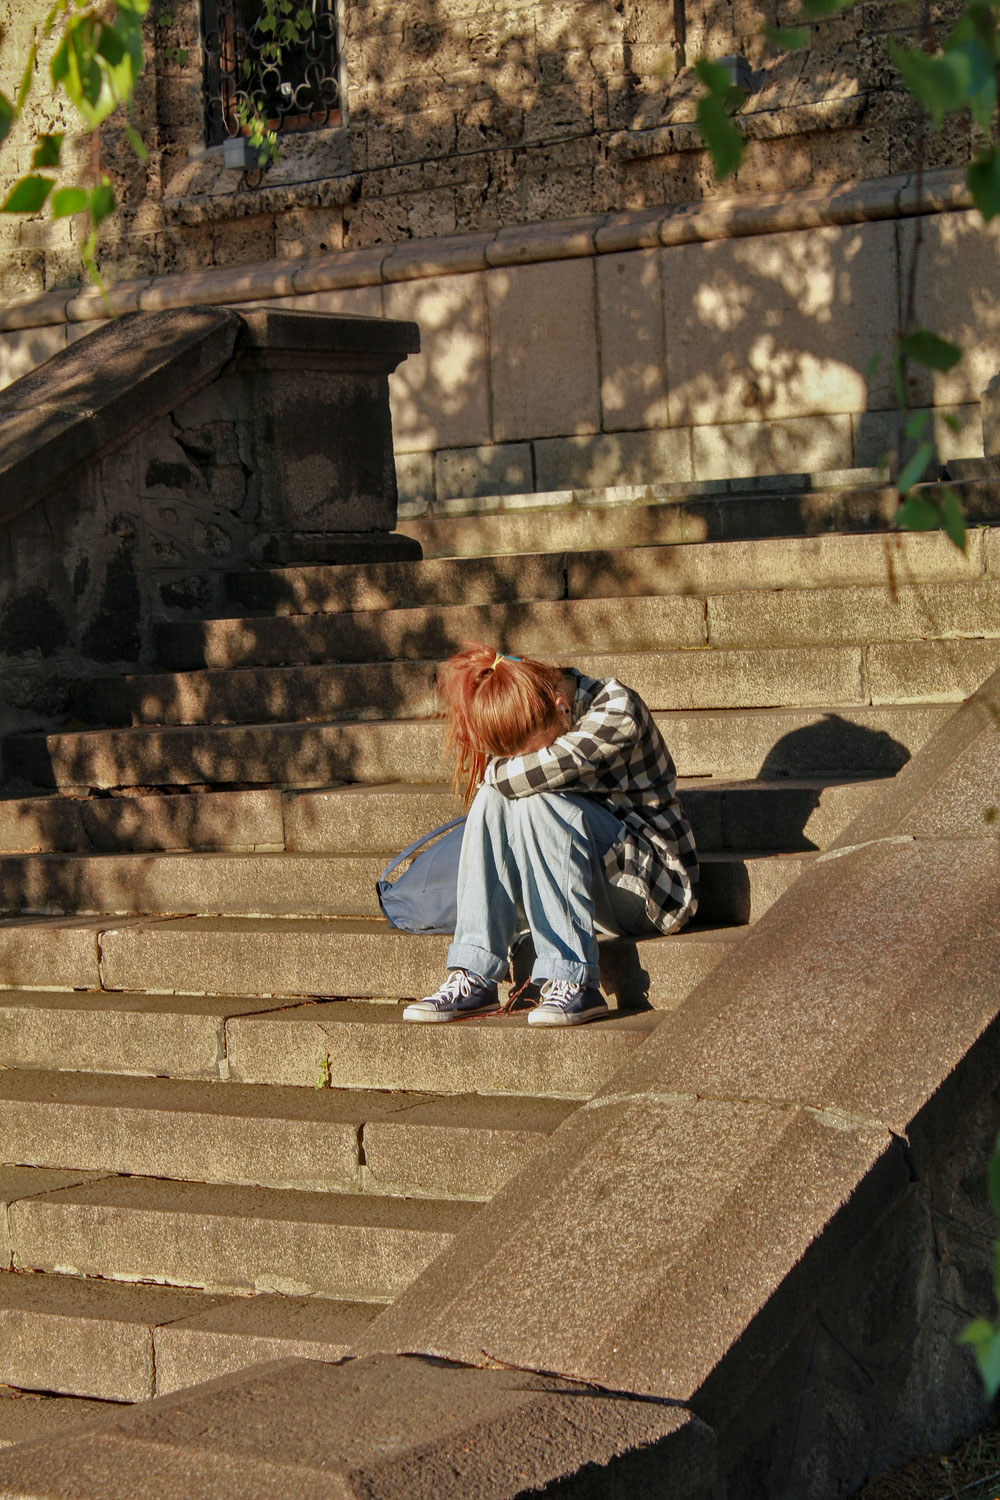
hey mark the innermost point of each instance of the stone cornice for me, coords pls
(717, 219)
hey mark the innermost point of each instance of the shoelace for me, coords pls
(457, 984)
(560, 990)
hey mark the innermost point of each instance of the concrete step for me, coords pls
(680, 568)
(734, 744)
(316, 1140)
(776, 507)
(347, 1044)
(782, 815)
(117, 1342)
(352, 1246)
(735, 887)
(25, 1417)
(891, 610)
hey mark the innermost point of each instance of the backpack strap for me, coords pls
(418, 844)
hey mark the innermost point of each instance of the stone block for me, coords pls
(804, 445)
(239, 1332)
(631, 331)
(502, 469)
(779, 325)
(347, 1245)
(928, 671)
(956, 431)
(990, 408)
(440, 397)
(24, 1417)
(956, 282)
(703, 1206)
(403, 1427)
(86, 1338)
(22, 352)
(414, 482)
(101, 1033)
(618, 458)
(543, 351)
(870, 924)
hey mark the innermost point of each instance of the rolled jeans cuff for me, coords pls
(476, 961)
(588, 975)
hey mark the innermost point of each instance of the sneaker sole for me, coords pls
(453, 1015)
(551, 1018)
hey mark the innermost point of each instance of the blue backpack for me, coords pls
(425, 897)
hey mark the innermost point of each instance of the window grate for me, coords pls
(300, 90)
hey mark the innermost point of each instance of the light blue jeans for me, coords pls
(540, 859)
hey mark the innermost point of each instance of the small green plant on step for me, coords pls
(324, 1078)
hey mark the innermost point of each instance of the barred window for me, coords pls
(299, 89)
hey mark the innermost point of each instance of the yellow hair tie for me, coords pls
(498, 657)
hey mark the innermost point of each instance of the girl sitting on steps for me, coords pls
(573, 828)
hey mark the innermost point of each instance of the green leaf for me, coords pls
(303, 19)
(971, 58)
(917, 425)
(952, 423)
(983, 178)
(166, 19)
(988, 1359)
(721, 136)
(787, 38)
(953, 519)
(66, 201)
(46, 153)
(6, 115)
(918, 514)
(930, 349)
(136, 141)
(26, 77)
(27, 196)
(102, 201)
(111, 45)
(915, 467)
(872, 367)
(939, 83)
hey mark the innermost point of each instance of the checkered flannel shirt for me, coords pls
(615, 753)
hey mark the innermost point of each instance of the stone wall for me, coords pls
(660, 346)
(461, 116)
(147, 461)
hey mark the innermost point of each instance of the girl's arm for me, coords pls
(605, 734)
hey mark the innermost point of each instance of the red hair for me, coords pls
(493, 703)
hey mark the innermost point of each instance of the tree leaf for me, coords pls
(70, 200)
(915, 467)
(721, 136)
(930, 349)
(6, 115)
(983, 178)
(26, 77)
(917, 425)
(46, 153)
(918, 514)
(28, 195)
(102, 201)
(953, 519)
(787, 38)
(136, 141)
(938, 82)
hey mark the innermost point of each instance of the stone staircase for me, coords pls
(223, 1145)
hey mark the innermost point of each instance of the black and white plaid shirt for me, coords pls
(615, 753)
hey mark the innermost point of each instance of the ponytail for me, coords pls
(492, 703)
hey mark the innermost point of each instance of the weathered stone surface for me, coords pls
(632, 338)
(286, 1138)
(58, 952)
(778, 326)
(236, 1333)
(796, 444)
(964, 305)
(312, 1426)
(440, 397)
(346, 1245)
(951, 788)
(679, 1191)
(503, 468)
(543, 356)
(497, 1055)
(98, 1032)
(86, 1338)
(25, 1417)
(635, 458)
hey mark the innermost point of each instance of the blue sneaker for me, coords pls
(461, 995)
(566, 1004)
